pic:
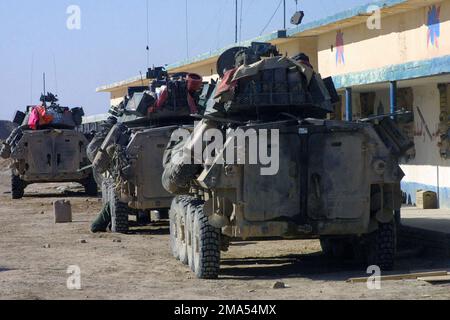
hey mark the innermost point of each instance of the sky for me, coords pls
(111, 44)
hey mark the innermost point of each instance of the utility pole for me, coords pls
(284, 15)
(236, 29)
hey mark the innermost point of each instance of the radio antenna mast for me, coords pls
(236, 24)
(31, 78)
(148, 37)
(43, 78)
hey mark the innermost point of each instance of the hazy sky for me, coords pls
(111, 44)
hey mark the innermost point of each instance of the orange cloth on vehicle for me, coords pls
(44, 118)
(39, 117)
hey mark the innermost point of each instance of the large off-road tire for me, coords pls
(206, 246)
(398, 221)
(97, 177)
(173, 230)
(90, 186)
(188, 234)
(105, 191)
(17, 187)
(193, 208)
(177, 226)
(119, 213)
(177, 175)
(382, 245)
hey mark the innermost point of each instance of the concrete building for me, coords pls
(401, 61)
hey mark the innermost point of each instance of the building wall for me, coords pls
(206, 70)
(118, 95)
(427, 170)
(289, 47)
(300, 45)
(402, 38)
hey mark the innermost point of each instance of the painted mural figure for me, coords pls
(434, 25)
(340, 57)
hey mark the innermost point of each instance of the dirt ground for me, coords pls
(35, 255)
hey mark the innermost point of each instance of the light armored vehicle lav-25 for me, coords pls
(46, 147)
(128, 154)
(336, 181)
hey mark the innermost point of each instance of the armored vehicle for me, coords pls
(45, 147)
(335, 181)
(129, 153)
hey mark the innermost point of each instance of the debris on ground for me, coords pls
(436, 279)
(62, 189)
(279, 285)
(406, 276)
(63, 211)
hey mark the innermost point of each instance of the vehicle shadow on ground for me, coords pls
(242, 244)
(155, 228)
(69, 194)
(318, 267)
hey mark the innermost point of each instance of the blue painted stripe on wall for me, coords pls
(409, 70)
(410, 188)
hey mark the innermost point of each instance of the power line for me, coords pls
(187, 31)
(271, 18)
(207, 26)
(148, 36)
(31, 78)
(56, 78)
(219, 30)
(236, 24)
(240, 24)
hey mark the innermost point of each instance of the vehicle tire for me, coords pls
(193, 208)
(173, 229)
(188, 234)
(398, 217)
(119, 213)
(90, 186)
(382, 245)
(398, 221)
(97, 177)
(177, 176)
(206, 246)
(105, 191)
(178, 214)
(17, 187)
